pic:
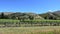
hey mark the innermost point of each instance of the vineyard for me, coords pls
(11, 20)
(25, 23)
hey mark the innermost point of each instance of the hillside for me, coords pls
(51, 15)
(30, 16)
(20, 16)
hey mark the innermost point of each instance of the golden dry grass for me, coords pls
(31, 30)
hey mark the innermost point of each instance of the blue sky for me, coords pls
(35, 6)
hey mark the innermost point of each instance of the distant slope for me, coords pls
(26, 15)
(57, 13)
(51, 15)
(6, 13)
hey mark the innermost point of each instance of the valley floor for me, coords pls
(31, 30)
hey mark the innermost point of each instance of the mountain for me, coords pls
(25, 16)
(18, 15)
(51, 15)
(57, 13)
(6, 13)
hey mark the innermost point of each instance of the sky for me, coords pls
(34, 6)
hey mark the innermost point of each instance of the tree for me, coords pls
(2, 15)
(51, 17)
(13, 17)
(31, 17)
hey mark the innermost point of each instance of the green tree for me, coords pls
(31, 17)
(2, 15)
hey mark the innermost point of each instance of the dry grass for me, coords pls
(31, 30)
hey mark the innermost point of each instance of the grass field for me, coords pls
(11, 20)
(31, 30)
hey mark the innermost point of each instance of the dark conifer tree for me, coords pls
(2, 15)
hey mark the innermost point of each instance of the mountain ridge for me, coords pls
(49, 15)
